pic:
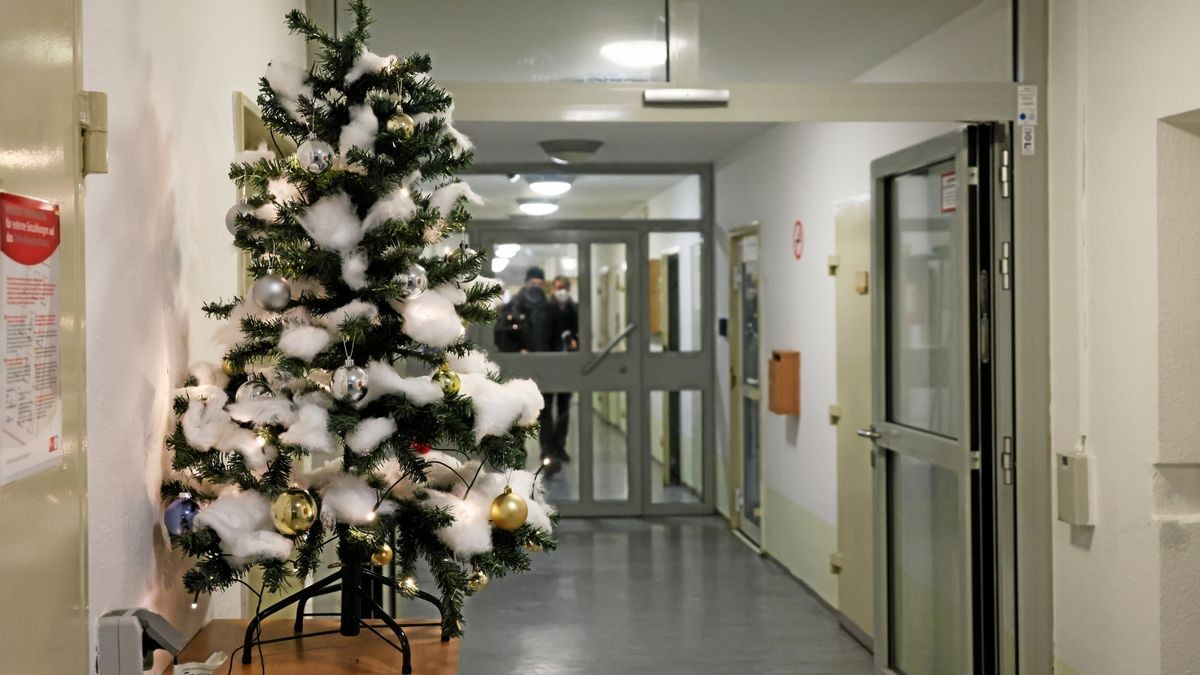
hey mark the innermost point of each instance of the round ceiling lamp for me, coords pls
(549, 186)
(537, 207)
(570, 150)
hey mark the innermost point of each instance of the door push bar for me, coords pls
(612, 344)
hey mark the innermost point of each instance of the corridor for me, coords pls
(687, 592)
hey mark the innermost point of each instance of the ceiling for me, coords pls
(661, 142)
(592, 196)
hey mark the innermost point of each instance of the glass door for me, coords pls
(924, 426)
(747, 385)
(571, 322)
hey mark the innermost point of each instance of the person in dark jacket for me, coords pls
(533, 307)
(564, 336)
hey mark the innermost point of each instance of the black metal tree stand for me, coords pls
(358, 605)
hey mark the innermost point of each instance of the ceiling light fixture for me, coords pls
(537, 207)
(549, 186)
(507, 251)
(636, 53)
(570, 150)
(498, 265)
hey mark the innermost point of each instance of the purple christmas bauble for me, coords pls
(180, 514)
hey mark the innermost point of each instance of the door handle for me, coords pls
(612, 344)
(870, 433)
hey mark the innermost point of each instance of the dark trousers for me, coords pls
(554, 419)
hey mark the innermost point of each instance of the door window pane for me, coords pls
(748, 289)
(751, 499)
(610, 446)
(558, 442)
(924, 316)
(610, 315)
(676, 442)
(541, 310)
(675, 267)
(926, 571)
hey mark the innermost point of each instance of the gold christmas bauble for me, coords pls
(477, 581)
(293, 511)
(382, 556)
(532, 546)
(402, 123)
(449, 380)
(228, 368)
(509, 510)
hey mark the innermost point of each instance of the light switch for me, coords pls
(1074, 506)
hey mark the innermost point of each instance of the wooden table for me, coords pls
(332, 654)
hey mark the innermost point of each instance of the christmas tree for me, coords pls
(352, 343)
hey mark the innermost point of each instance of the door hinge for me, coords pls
(1005, 173)
(976, 460)
(737, 499)
(972, 175)
(832, 262)
(1005, 265)
(836, 562)
(93, 128)
(1006, 460)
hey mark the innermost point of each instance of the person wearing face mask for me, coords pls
(564, 337)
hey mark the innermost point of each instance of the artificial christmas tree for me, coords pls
(352, 342)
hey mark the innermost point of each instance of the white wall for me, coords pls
(157, 247)
(1124, 591)
(798, 172)
(975, 46)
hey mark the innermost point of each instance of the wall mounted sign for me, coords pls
(30, 383)
(798, 240)
(949, 192)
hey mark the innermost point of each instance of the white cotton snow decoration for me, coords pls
(453, 293)
(369, 434)
(259, 411)
(430, 318)
(444, 198)
(384, 380)
(526, 391)
(332, 223)
(471, 532)
(205, 421)
(473, 361)
(254, 451)
(496, 407)
(348, 499)
(304, 342)
(267, 212)
(207, 373)
(462, 144)
(355, 309)
(320, 477)
(230, 333)
(368, 62)
(242, 521)
(283, 191)
(289, 82)
(354, 270)
(396, 205)
(310, 430)
(361, 131)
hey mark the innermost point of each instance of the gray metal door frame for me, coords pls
(646, 371)
(982, 457)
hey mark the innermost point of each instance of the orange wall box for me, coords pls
(783, 371)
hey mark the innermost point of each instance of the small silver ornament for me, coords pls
(314, 154)
(349, 382)
(231, 216)
(414, 281)
(458, 255)
(271, 292)
(253, 389)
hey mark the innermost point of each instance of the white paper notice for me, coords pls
(31, 425)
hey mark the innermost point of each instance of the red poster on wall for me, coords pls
(31, 414)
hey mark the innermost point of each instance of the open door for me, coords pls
(940, 415)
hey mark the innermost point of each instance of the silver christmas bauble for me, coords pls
(253, 389)
(271, 292)
(458, 255)
(315, 155)
(349, 382)
(231, 216)
(414, 281)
